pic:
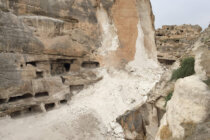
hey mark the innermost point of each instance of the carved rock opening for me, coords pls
(21, 97)
(67, 66)
(15, 114)
(32, 110)
(3, 101)
(166, 61)
(90, 64)
(49, 106)
(74, 89)
(31, 63)
(26, 111)
(63, 101)
(60, 66)
(41, 94)
(39, 74)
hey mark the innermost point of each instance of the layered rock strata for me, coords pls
(183, 117)
(175, 41)
(87, 53)
(45, 54)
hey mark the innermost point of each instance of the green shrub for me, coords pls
(186, 69)
(168, 97)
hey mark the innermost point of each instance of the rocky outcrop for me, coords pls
(140, 123)
(54, 43)
(87, 53)
(143, 122)
(187, 113)
(174, 41)
(44, 47)
(175, 110)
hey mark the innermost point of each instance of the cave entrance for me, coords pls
(49, 106)
(67, 66)
(3, 101)
(75, 89)
(60, 66)
(39, 74)
(90, 64)
(41, 94)
(21, 97)
(166, 61)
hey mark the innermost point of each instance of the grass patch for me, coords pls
(168, 97)
(186, 69)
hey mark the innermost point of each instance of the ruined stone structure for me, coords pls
(174, 41)
(51, 50)
(99, 58)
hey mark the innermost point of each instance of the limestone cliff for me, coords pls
(53, 51)
(187, 113)
(175, 41)
(175, 109)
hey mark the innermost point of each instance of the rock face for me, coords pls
(140, 123)
(187, 113)
(174, 41)
(51, 50)
(45, 54)
(186, 116)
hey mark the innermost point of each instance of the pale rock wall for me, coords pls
(126, 18)
(187, 113)
(50, 39)
(52, 50)
(44, 44)
(173, 41)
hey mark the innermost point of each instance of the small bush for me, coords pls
(168, 97)
(186, 69)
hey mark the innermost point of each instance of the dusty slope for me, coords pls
(90, 115)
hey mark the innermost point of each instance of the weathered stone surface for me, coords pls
(16, 37)
(50, 50)
(164, 86)
(41, 41)
(26, 74)
(202, 51)
(174, 41)
(140, 123)
(130, 19)
(188, 111)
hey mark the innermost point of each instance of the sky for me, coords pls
(170, 12)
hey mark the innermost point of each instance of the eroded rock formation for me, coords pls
(186, 115)
(51, 50)
(45, 52)
(175, 41)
